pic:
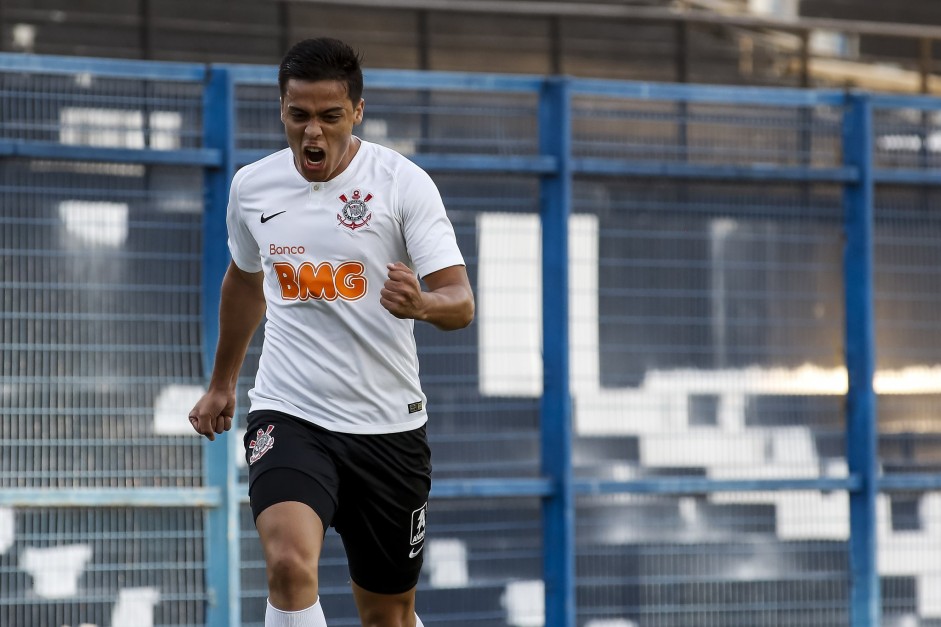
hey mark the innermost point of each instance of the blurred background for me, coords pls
(666, 435)
(808, 43)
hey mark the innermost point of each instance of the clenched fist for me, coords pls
(213, 413)
(402, 294)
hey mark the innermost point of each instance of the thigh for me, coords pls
(290, 530)
(382, 513)
(289, 460)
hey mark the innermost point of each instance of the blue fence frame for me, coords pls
(557, 167)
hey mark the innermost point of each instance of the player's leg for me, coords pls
(291, 536)
(288, 471)
(386, 610)
(385, 482)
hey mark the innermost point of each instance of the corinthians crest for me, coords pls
(262, 444)
(355, 213)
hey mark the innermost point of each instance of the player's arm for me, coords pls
(241, 309)
(448, 303)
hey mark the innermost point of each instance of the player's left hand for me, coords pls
(402, 294)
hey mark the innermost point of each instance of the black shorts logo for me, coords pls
(418, 529)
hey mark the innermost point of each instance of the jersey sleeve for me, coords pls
(242, 244)
(429, 234)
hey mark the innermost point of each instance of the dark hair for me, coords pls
(323, 59)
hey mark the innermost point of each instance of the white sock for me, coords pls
(311, 617)
(418, 622)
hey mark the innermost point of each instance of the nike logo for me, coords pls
(415, 552)
(265, 218)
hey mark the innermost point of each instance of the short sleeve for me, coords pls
(242, 244)
(429, 234)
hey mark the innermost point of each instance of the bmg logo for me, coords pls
(323, 281)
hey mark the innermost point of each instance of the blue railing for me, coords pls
(557, 132)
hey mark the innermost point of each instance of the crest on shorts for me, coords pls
(418, 524)
(355, 213)
(262, 443)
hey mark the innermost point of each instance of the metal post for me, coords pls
(805, 59)
(555, 45)
(681, 55)
(424, 64)
(146, 40)
(555, 136)
(805, 119)
(861, 427)
(222, 523)
(925, 63)
(284, 27)
(682, 107)
(423, 41)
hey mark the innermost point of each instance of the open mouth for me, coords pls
(314, 156)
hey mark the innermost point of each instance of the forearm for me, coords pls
(449, 307)
(241, 309)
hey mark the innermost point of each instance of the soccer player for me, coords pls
(328, 239)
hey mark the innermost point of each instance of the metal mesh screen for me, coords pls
(906, 138)
(100, 323)
(259, 118)
(100, 350)
(84, 109)
(410, 121)
(102, 566)
(716, 354)
(707, 337)
(705, 133)
(748, 559)
(908, 349)
(483, 564)
(475, 430)
(909, 543)
(713, 344)
(908, 353)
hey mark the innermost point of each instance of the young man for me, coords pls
(328, 238)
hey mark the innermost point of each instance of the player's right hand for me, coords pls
(213, 413)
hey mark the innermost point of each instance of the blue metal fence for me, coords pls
(690, 300)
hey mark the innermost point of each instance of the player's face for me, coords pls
(318, 120)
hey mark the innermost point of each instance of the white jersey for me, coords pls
(332, 354)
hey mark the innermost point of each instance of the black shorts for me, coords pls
(373, 489)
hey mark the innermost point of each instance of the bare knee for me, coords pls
(292, 579)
